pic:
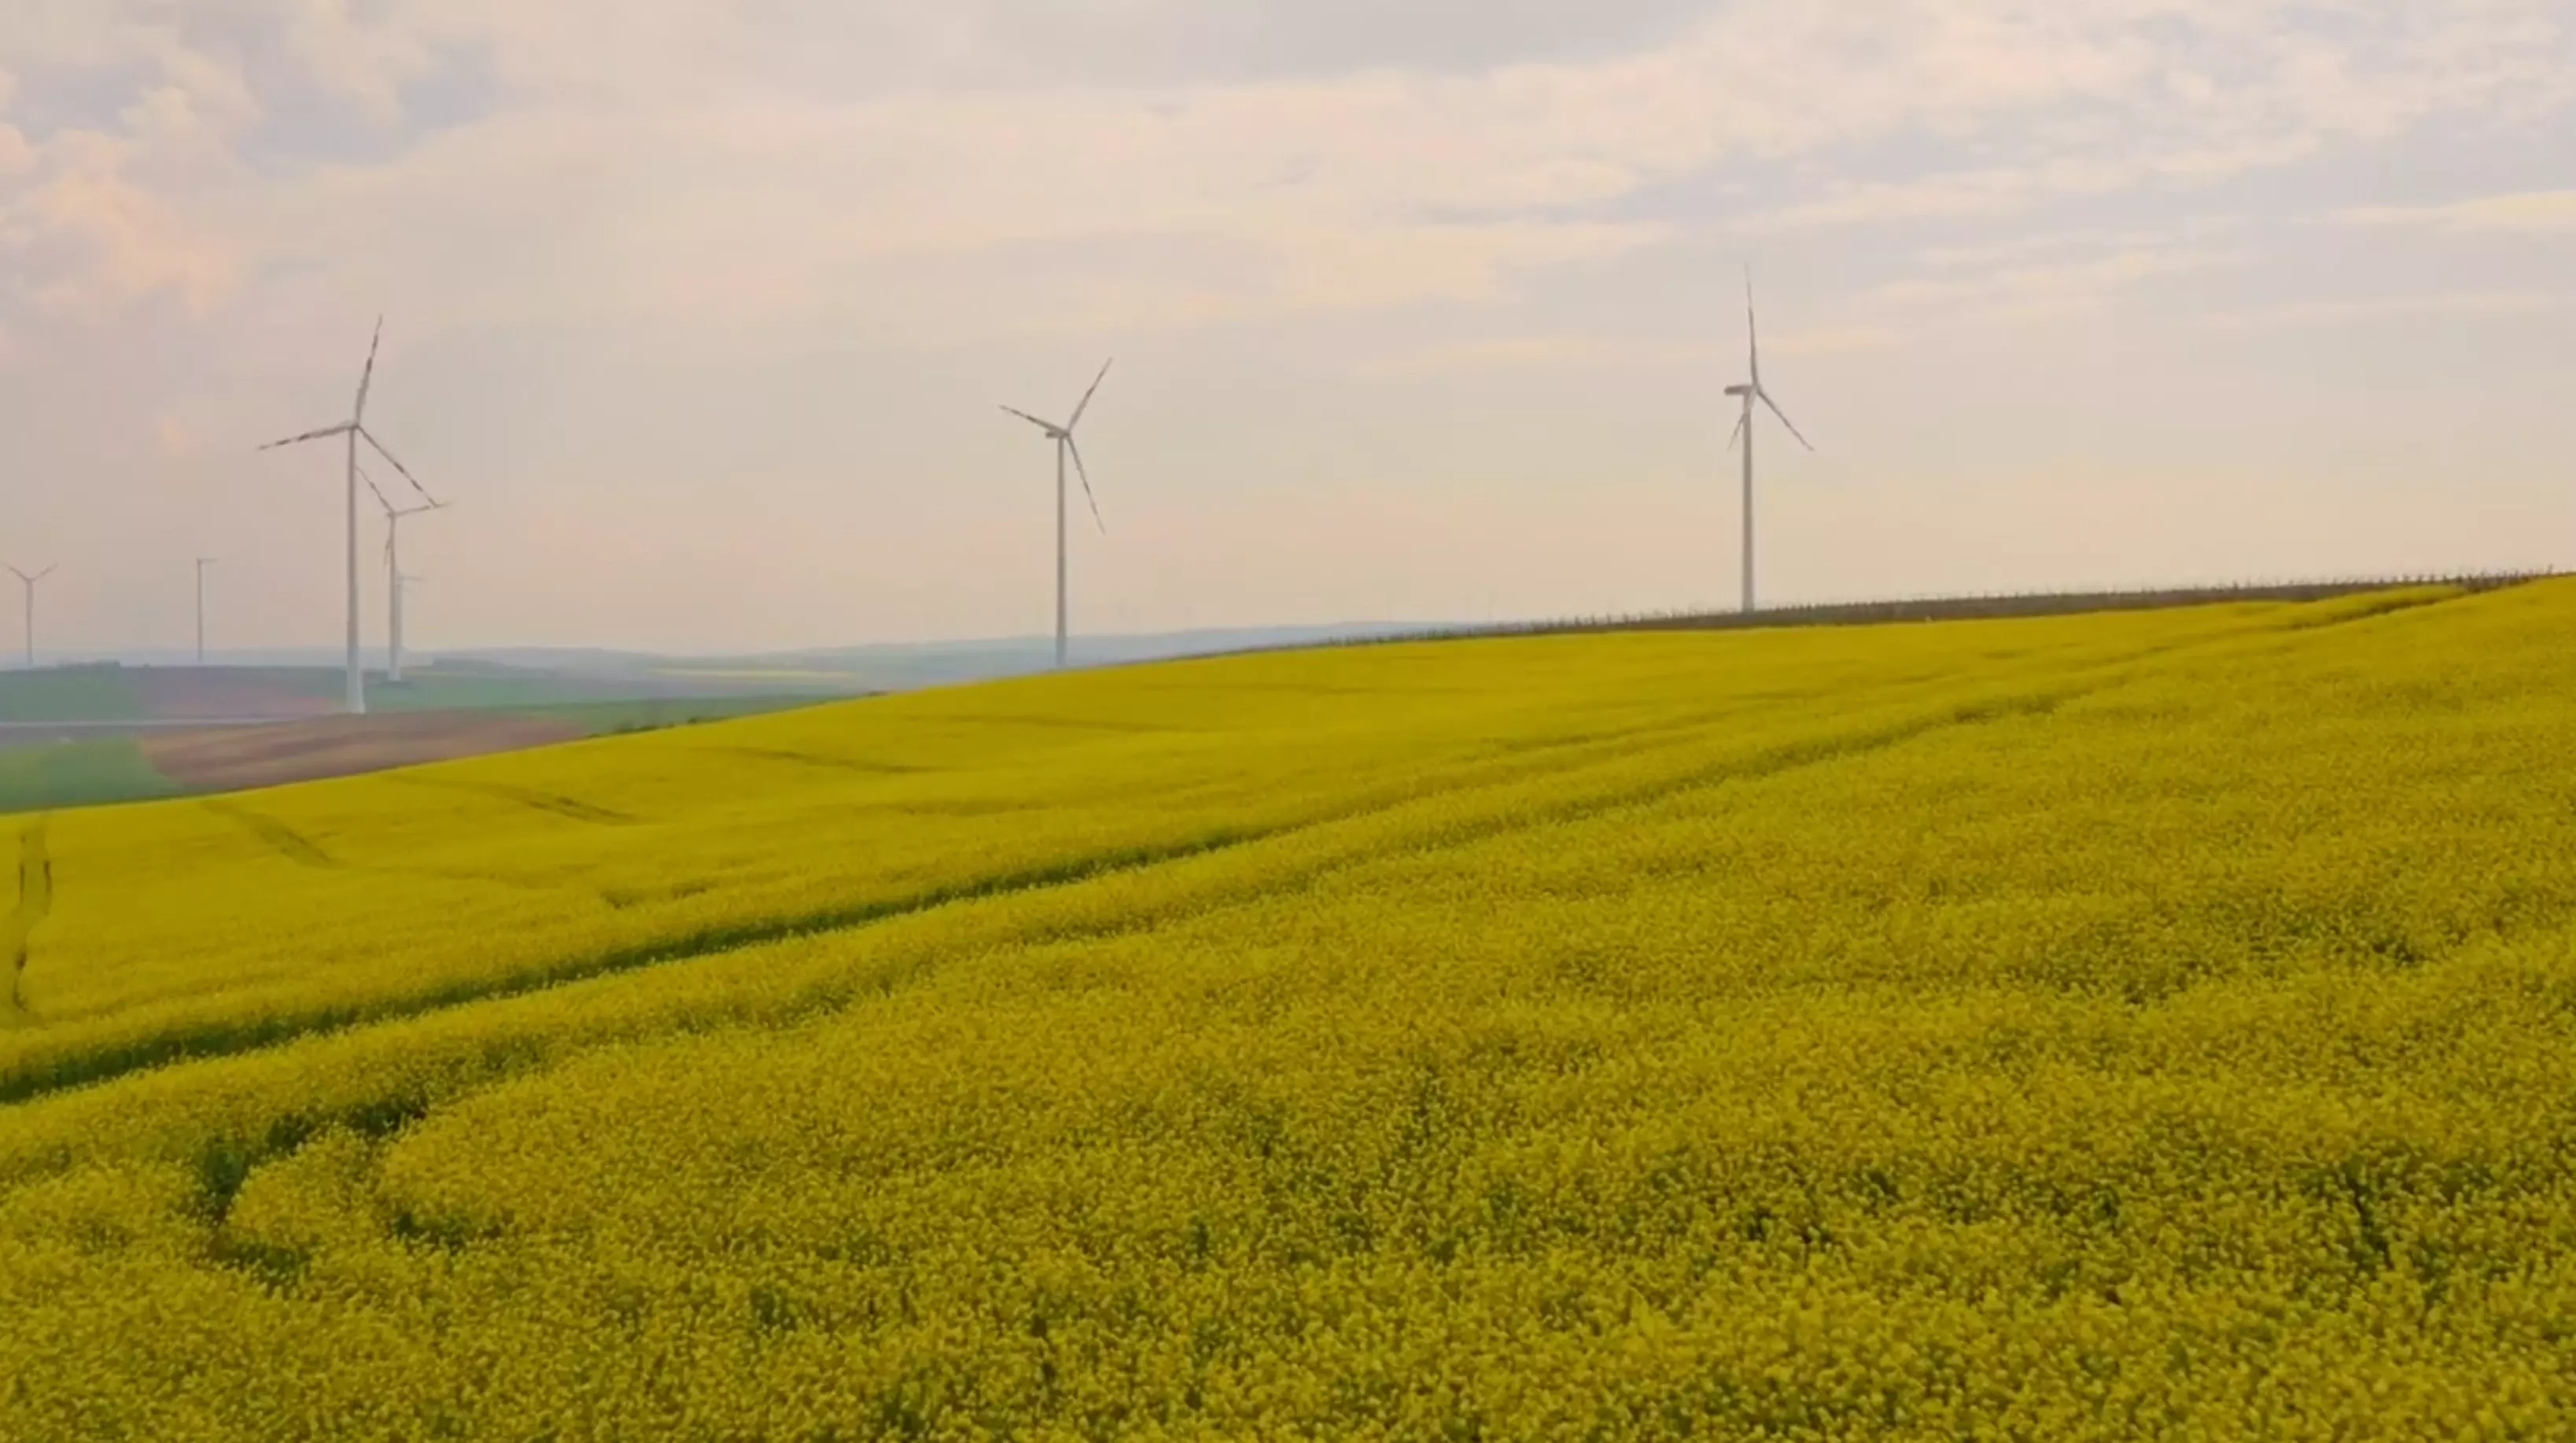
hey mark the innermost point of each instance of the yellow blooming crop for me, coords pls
(2157, 1026)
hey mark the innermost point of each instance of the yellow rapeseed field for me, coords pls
(2156, 1025)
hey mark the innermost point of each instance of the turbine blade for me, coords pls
(1049, 427)
(378, 490)
(1752, 337)
(340, 430)
(397, 465)
(1086, 485)
(1087, 395)
(1737, 435)
(1784, 419)
(368, 376)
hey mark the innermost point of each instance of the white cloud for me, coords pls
(1563, 350)
(2522, 213)
(638, 156)
(2380, 308)
(2025, 248)
(90, 239)
(2068, 287)
(365, 65)
(748, 209)
(1543, 351)
(176, 440)
(1833, 341)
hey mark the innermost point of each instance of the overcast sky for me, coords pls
(700, 310)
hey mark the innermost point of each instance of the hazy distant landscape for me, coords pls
(86, 733)
(127, 729)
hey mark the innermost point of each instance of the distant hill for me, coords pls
(874, 666)
(109, 692)
(895, 665)
(901, 665)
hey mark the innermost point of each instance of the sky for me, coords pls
(700, 312)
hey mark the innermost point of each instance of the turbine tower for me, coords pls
(202, 563)
(355, 429)
(404, 581)
(393, 569)
(1751, 391)
(29, 582)
(1065, 446)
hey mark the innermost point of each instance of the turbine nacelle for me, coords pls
(1062, 436)
(1053, 431)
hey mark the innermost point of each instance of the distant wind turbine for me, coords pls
(29, 582)
(393, 570)
(355, 429)
(1751, 391)
(1064, 447)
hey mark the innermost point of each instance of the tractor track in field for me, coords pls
(1055, 723)
(45, 1076)
(552, 803)
(302, 850)
(818, 759)
(35, 902)
(277, 836)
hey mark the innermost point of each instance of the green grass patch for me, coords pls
(78, 774)
(68, 693)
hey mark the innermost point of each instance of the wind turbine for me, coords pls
(1064, 446)
(393, 569)
(29, 582)
(355, 428)
(1752, 391)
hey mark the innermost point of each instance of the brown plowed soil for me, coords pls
(223, 758)
(178, 693)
